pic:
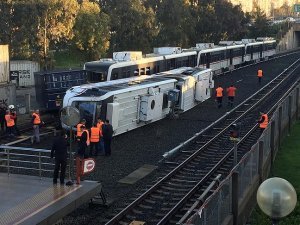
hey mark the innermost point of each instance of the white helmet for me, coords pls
(11, 107)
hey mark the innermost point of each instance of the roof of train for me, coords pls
(121, 86)
(100, 89)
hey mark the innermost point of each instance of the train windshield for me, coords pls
(89, 111)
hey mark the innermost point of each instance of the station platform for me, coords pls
(28, 200)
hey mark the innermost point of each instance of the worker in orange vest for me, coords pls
(263, 121)
(219, 96)
(101, 142)
(36, 122)
(231, 94)
(79, 130)
(10, 124)
(259, 75)
(95, 139)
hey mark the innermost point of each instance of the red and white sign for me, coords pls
(88, 165)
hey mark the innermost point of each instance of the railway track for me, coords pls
(199, 163)
(26, 131)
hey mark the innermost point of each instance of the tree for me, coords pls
(5, 18)
(133, 26)
(91, 30)
(260, 27)
(55, 20)
(175, 23)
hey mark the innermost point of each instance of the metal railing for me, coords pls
(29, 161)
(20, 159)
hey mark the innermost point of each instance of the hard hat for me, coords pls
(11, 106)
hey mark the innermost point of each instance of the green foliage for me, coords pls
(91, 31)
(132, 26)
(287, 167)
(95, 28)
(260, 28)
(174, 23)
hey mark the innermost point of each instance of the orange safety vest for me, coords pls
(219, 92)
(37, 119)
(259, 73)
(95, 134)
(265, 123)
(79, 132)
(9, 121)
(231, 91)
(88, 137)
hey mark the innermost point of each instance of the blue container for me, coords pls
(49, 85)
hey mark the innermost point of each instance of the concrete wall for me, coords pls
(291, 39)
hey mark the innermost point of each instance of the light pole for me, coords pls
(277, 198)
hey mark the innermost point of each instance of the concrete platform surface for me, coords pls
(30, 200)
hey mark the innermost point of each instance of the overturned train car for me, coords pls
(134, 102)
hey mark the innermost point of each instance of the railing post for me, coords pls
(272, 140)
(297, 103)
(290, 114)
(235, 197)
(279, 125)
(260, 160)
(8, 170)
(40, 165)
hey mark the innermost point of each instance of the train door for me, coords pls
(179, 103)
(242, 52)
(208, 60)
(261, 47)
(87, 111)
(230, 57)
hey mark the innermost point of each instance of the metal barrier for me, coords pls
(219, 205)
(26, 159)
(29, 161)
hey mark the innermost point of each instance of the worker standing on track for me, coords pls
(101, 142)
(107, 131)
(95, 138)
(13, 112)
(36, 121)
(10, 124)
(259, 75)
(60, 152)
(84, 142)
(79, 130)
(231, 94)
(219, 96)
(263, 121)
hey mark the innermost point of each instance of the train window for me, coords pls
(148, 71)
(136, 72)
(115, 76)
(172, 64)
(98, 110)
(202, 59)
(142, 71)
(87, 111)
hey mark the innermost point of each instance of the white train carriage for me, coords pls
(262, 49)
(133, 64)
(220, 58)
(134, 102)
